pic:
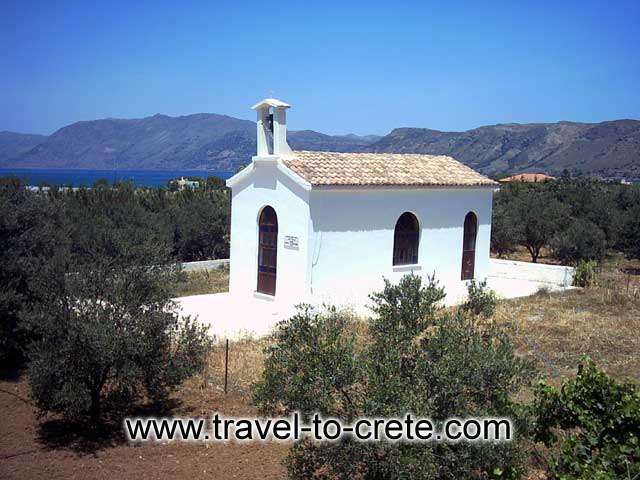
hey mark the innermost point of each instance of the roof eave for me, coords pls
(270, 102)
(344, 186)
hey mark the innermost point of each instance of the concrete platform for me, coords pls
(230, 317)
(227, 317)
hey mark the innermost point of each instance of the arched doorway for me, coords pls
(469, 246)
(267, 250)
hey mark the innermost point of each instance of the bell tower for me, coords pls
(272, 127)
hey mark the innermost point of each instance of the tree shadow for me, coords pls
(85, 438)
(630, 271)
(11, 370)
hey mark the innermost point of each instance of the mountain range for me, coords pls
(607, 149)
(211, 142)
(14, 145)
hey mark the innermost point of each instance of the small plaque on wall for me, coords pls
(291, 242)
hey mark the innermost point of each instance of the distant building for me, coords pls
(184, 183)
(528, 178)
(326, 226)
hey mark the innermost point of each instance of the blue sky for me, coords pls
(361, 67)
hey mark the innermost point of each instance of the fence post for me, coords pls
(226, 365)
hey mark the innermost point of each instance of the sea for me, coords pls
(87, 177)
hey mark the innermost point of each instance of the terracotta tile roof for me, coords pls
(528, 177)
(331, 168)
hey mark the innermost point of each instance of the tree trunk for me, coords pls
(94, 410)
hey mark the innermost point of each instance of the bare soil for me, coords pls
(48, 448)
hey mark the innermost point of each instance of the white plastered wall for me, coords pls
(352, 238)
(265, 185)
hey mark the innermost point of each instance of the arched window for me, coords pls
(469, 246)
(267, 250)
(406, 238)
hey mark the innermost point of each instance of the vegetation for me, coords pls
(89, 225)
(595, 423)
(577, 219)
(106, 325)
(480, 299)
(581, 240)
(200, 282)
(555, 330)
(630, 238)
(30, 232)
(109, 330)
(88, 276)
(417, 358)
(194, 222)
(585, 275)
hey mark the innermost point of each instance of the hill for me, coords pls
(15, 144)
(202, 141)
(208, 141)
(607, 149)
(310, 140)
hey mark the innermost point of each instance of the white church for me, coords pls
(328, 227)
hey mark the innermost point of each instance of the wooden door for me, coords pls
(267, 251)
(469, 246)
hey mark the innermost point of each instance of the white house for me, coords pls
(184, 183)
(325, 226)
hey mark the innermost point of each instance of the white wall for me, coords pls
(267, 185)
(557, 275)
(204, 265)
(352, 238)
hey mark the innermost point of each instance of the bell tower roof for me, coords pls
(270, 102)
(271, 127)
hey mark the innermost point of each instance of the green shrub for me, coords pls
(480, 299)
(319, 343)
(594, 422)
(543, 291)
(582, 240)
(414, 357)
(585, 275)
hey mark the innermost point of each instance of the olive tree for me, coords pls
(105, 326)
(631, 232)
(581, 240)
(536, 218)
(30, 232)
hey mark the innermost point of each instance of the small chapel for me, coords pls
(311, 226)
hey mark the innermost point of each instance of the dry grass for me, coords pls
(603, 321)
(246, 360)
(201, 282)
(205, 392)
